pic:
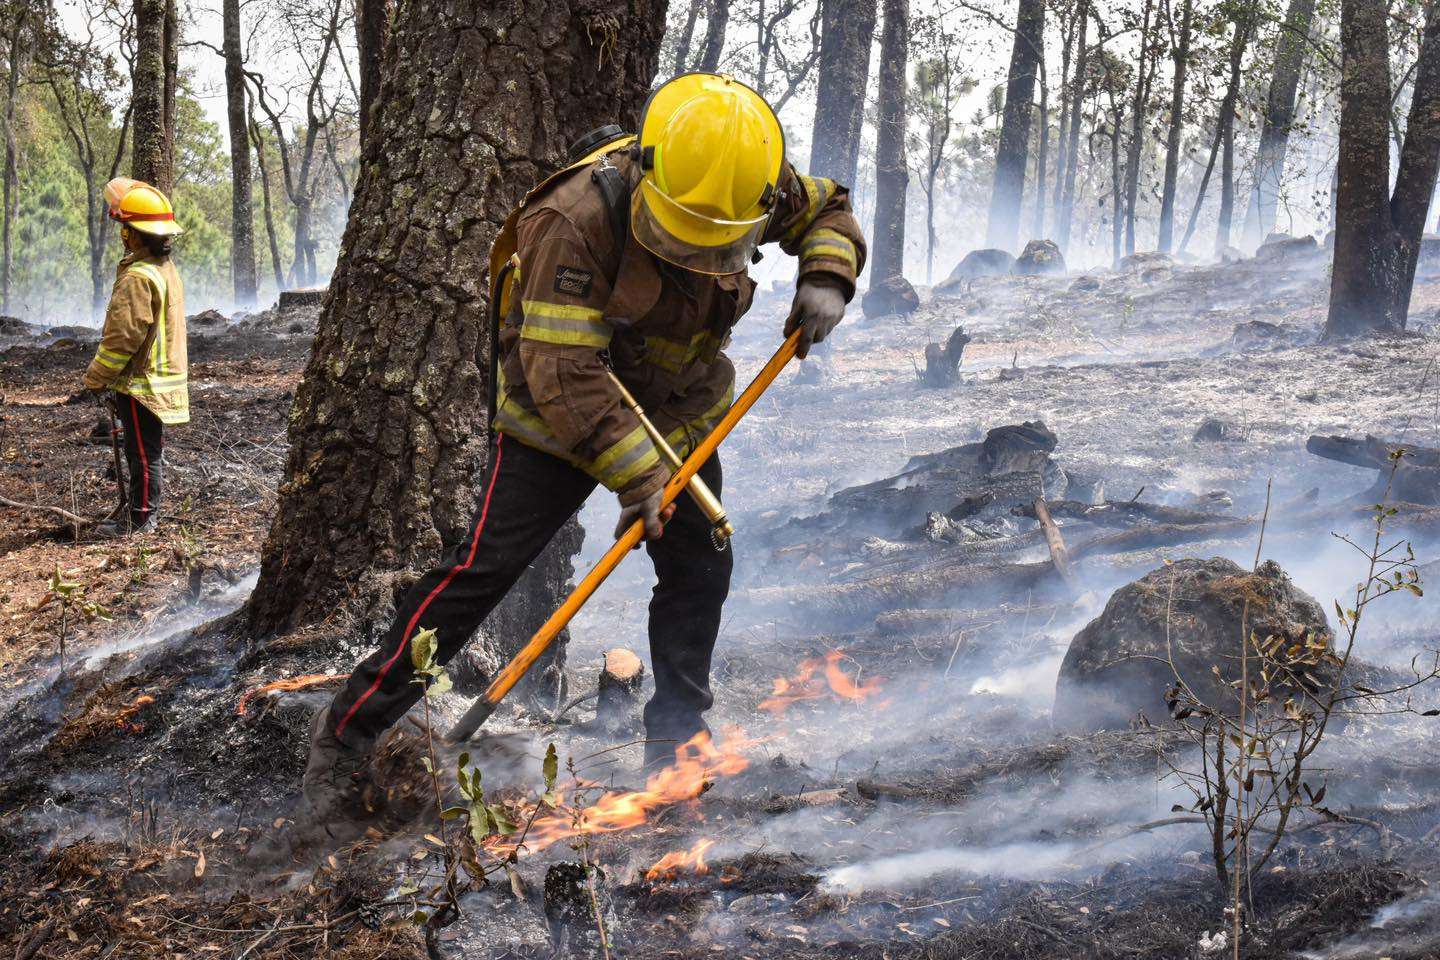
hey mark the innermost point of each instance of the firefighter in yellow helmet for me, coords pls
(140, 366)
(634, 257)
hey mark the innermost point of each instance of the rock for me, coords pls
(1214, 430)
(15, 327)
(72, 333)
(1259, 335)
(1116, 667)
(893, 296)
(1025, 448)
(302, 297)
(977, 264)
(1283, 249)
(207, 320)
(1141, 262)
(1041, 258)
(1232, 255)
(1086, 284)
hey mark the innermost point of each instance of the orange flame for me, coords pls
(123, 715)
(288, 684)
(676, 861)
(806, 685)
(697, 763)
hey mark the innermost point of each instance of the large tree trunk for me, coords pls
(715, 26)
(1279, 115)
(1065, 215)
(372, 30)
(152, 150)
(891, 172)
(1377, 236)
(1012, 155)
(388, 435)
(1180, 51)
(1244, 27)
(847, 28)
(242, 205)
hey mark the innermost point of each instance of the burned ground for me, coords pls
(904, 792)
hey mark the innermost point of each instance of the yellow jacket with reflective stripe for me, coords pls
(576, 293)
(142, 348)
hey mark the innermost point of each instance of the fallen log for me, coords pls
(1121, 513)
(1412, 476)
(1058, 554)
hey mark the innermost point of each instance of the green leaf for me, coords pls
(419, 918)
(422, 650)
(406, 890)
(550, 768)
(499, 819)
(439, 686)
(454, 813)
(429, 767)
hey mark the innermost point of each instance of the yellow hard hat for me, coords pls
(712, 150)
(141, 207)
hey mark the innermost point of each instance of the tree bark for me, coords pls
(1012, 154)
(847, 28)
(10, 189)
(1377, 236)
(372, 30)
(1180, 52)
(152, 149)
(1279, 116)
(1042, 157)
(715, 26)
(1066, 213)
(388, 437)
(1144, 78)
(891, 171)
(242, 205)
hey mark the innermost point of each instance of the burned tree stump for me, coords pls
(942, 364)
(619, 689)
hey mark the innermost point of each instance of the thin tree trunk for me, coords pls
(847, 28)
(1012, 154)
(388, 441)
(1042, 158)
(1377, 240)
(1072, 151)
(11, 197)
(1067, 54)
(171, 54)
(1181, 55)
(1144, 75)
(372, 30)
(1279, 116)
(242, 206)
(891, 171)
(257, 140)
(1117, 118)
(1244, 25)
(682, 46)
(715, 26)
(1194, 220)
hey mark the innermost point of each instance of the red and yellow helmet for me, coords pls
(141, 207)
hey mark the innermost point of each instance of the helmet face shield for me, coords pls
(674, 232)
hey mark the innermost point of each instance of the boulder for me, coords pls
(1141, 262)
(1023, 448)
(1085, 284)
(893, 296)
(1040, 258)
(1282, 249)
(979, 263)
(1262, 335)
(1189, 613)
(302, 297)
(1215, 430)
(14, 327)
(1232, 255)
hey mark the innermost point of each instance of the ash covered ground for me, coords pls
(890, 781)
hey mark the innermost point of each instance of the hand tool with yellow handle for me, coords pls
(481, 709)
(721, 529)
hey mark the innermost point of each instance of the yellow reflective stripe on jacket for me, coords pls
(159, 352)
(674, 356)
(110, 359)
(564, 324)
(625, 459)
(817, 191)
(829, 243)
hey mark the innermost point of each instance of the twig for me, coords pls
(60, 512)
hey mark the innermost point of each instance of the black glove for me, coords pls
(816, 310)
(648, 510)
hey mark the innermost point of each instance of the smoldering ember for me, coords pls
(1073, 365)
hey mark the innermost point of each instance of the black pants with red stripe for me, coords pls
(144, 442)
(528, 496)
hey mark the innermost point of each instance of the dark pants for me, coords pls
(528, 496)
(144, 442)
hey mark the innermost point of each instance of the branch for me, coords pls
(63, 514)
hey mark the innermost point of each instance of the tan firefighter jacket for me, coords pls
(142, 348)
(662, 327)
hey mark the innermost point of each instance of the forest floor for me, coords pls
(143, 797)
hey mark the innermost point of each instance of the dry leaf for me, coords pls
(200, 865)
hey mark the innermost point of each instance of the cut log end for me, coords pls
(619, 687)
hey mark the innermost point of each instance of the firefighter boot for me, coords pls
(333, 784)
